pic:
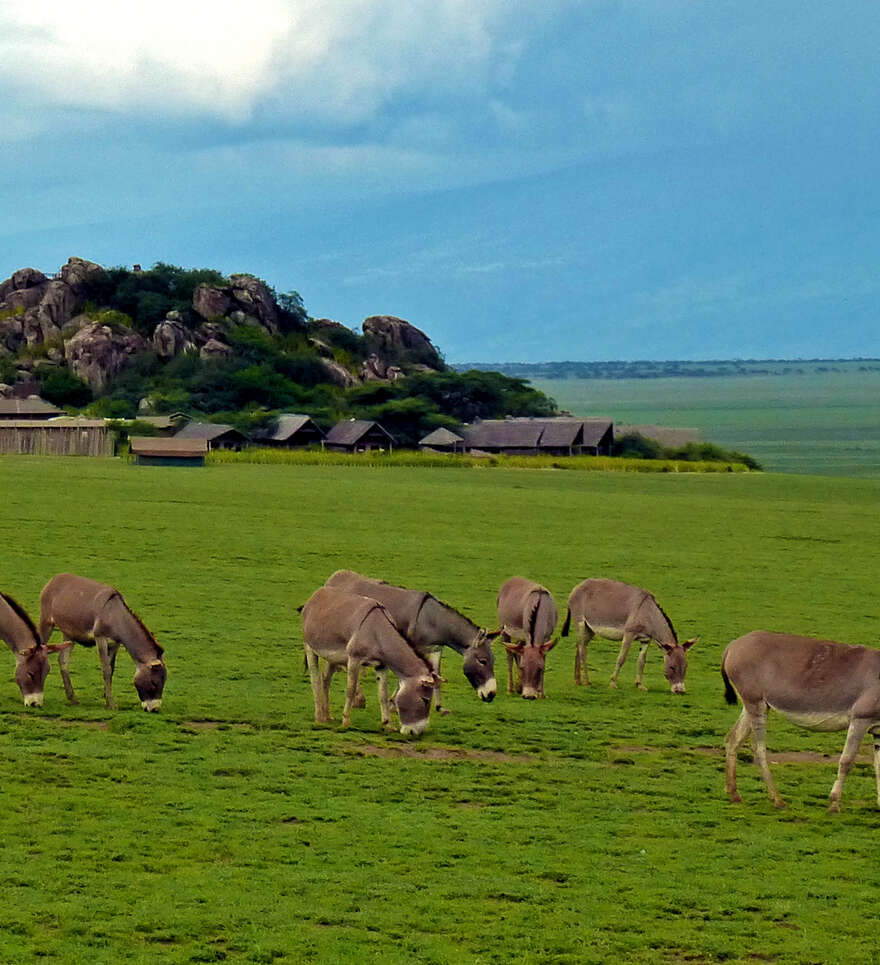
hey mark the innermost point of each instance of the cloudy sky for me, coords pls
(569, 179)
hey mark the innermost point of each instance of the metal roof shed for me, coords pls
(162, 451)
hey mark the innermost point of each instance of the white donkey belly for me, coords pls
(609, 633)
(817, 719)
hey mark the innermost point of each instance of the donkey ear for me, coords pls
(491, 634)
(665, 647)
(689, 643)
(155, 663)
(517, 647)
(58, 647)
(549, 645)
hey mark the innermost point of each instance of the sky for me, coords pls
(524, 181)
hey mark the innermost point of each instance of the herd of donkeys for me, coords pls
(353, 621)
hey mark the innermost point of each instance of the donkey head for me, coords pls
(675, 663)
(530, 658)
(149, 681)
(413, 702)
(31, 670)
(478, 665)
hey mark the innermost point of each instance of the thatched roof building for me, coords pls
(557, 437)
(292, 431)
(358, 435)
(162, 451)
(216, 434)
(442, 440)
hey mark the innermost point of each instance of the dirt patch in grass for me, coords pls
(777, 757)
(69, 722)
(439, 754)
(198, 726)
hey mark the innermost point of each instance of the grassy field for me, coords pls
(590, 827)
(820, 423)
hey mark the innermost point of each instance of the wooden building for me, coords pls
(164, 451)
(64, 436)
(292, 431)
(442, 440)
(552, 437)
(215, 434)
(358, 435)
(33, 408)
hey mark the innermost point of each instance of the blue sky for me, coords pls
(603, 179)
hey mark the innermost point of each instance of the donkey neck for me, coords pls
(16, 627)
(439, 623)
(127, 628)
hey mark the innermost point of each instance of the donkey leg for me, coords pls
(510, 686)
(63, 665)
(759, 726)
(107, 652)
(640, 664)
(317, 685)
(621, 657)
(384, 700)
(434, 659)
(354, 674)
(735, 737)
(584, 636)
(876, 737)
(857, 730)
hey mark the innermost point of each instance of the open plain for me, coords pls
(588, 827)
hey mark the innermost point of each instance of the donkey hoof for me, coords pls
(735, 797)
(780, 805)
(445, 711)
(834, 807)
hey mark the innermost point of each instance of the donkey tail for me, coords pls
(729, 692)
(567, 625)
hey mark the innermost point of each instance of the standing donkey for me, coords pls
(93, 613)
(528, 615)
(352, 631)
(618, 611)
(31, 657)
(816, 684)
(429, 625)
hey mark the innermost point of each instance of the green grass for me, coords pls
(816, 423)
(590, 827)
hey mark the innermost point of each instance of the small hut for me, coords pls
(442, 440)
(553, 437)
(215, 434)
(292, 431)
(358, 435)
(164, 451)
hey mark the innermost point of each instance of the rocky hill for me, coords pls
(51, 322)
(121, 342)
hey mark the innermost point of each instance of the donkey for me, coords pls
(527, 613)
(31, 657)
(816, 684)
(429, 625)
(352, 631)
(93, 613)
(618, 611)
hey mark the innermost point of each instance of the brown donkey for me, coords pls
(31, 657)
(618, 611)
(352, 631)
(92, 613)
(528, 615)
(817, 684)
(430, 625)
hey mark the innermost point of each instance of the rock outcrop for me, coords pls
(97, 353)
(396, 339)
(37, 311)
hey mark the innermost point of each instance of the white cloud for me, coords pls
(334, 61)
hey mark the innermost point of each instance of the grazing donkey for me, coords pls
(429, 625)
(527, 614)
(817, 684)
(92, 613)
(31, 657)
(618, 611)
(349, 630)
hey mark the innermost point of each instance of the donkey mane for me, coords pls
(448, 606)
(159, 649)
(533, 616)
(22, 614)
(665, 617)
